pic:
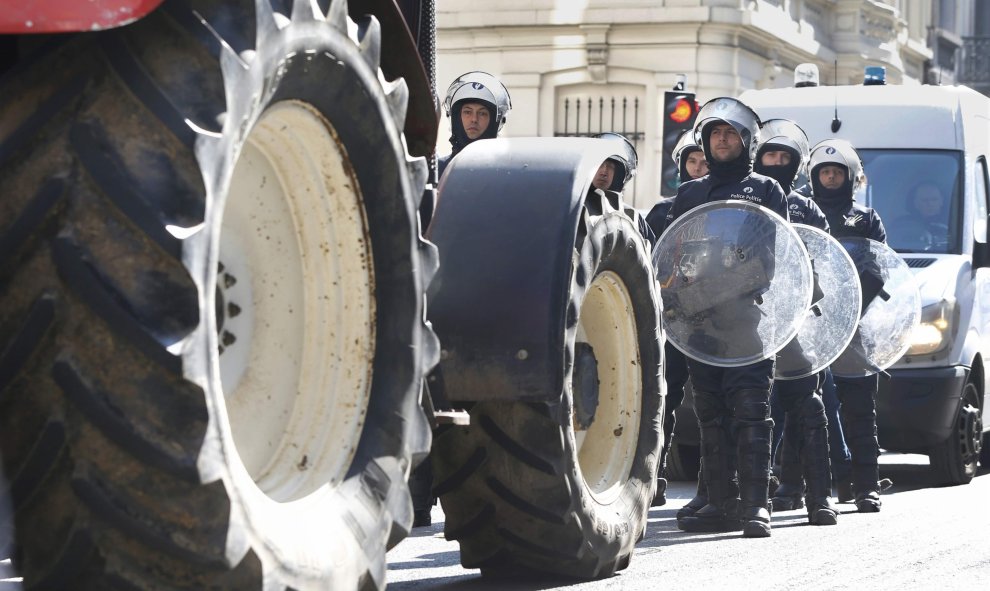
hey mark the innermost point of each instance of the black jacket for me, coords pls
(803, 210)
(657, 217)
(852, 219)
(753, 187)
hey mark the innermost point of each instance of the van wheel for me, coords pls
(985, 451)
(683, 462)
(564, 487)
(955, 460)
(212, 304)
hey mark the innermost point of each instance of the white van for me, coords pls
(935, 399)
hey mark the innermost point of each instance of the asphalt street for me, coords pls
(925, 537)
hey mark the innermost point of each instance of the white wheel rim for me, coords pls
(606, 450)
(298, 269)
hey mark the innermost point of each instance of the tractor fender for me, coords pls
(64, 16)
(505, 226)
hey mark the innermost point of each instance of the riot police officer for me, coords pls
(690, 158)
(731, 403)
(616, 172)
(836, 175)
(478, 105)
(782, 155)
(691, 164)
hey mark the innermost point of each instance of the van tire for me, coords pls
(955, 460)
(117, 152)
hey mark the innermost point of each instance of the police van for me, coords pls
(925, 152)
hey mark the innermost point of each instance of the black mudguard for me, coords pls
(505, 227)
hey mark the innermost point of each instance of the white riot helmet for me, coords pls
(838, 153)
(784, 133)
(481, 87)
(684, 142)
(625, 155)
(734, 112)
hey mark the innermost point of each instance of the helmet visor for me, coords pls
(728, 110)
(782, 132)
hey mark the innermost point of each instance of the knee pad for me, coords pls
(812, 410)
(708, 406)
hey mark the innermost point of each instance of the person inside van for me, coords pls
(925, 222)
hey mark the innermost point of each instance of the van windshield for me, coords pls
(917, 194)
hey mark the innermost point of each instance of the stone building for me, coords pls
(960, 43)
(586, 66)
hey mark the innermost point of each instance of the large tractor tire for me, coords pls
(956, 460)
(531, 486)
(211, 311)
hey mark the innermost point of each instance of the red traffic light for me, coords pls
(682, 111)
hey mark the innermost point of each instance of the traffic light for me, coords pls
(679, 112)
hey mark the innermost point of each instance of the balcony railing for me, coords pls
(974, 61)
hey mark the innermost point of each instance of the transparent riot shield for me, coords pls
(735, 281)
(890, 309)
(831, 321)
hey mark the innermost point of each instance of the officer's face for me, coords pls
(475, 119)
(603, 178)
(725, 143)
(831, 177)
(776, 158)
(696, 165)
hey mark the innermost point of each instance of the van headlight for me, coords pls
(934, 333)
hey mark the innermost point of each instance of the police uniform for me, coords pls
(857, 396)
(657, 216)
(732, 403)
(787, 436)
(796, 405)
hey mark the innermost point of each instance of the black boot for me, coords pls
(700, 498)
(814, 458)
(790, 492)
(755, 431)
(421, 490)
(660, 497)
(721, 513)
(866, 487)
(859, 421)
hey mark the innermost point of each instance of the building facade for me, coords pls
(580, 67)
(960, 42)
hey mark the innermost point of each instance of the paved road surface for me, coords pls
(923, 538)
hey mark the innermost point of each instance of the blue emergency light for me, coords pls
(875, 76)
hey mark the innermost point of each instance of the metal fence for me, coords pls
(587, 116)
